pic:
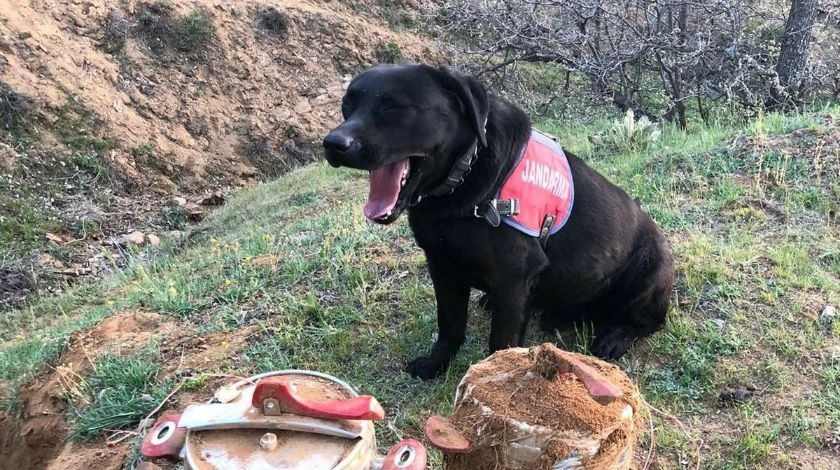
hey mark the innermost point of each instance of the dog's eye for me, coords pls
(393, 109)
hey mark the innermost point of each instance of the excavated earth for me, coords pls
(37, 438)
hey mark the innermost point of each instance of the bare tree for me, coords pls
(656, 57)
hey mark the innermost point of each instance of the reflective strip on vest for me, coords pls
(542, 181)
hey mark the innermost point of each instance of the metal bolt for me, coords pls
(268, 441)
(271, 406)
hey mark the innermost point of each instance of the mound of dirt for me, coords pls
(517, 417)
(187, 94)
(37, 439)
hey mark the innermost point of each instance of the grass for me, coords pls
(163, 30)
(748, 216)
(120, 391)
(43, 192)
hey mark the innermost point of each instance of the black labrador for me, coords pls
(415, 128)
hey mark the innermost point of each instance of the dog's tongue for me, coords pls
(384, 190)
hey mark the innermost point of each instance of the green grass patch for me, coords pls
(756, 261)
(120, 392)
(25, 355)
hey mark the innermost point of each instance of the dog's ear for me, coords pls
(472, 95)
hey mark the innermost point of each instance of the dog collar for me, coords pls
(456, 175)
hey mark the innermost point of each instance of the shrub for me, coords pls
(389, 53)
(628, 134)
(275, 22)
(162, 31)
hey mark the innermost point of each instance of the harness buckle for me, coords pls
(548, 221)
(487, 210)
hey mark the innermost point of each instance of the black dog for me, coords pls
(436, 143)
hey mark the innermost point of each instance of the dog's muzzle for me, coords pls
(341, 149)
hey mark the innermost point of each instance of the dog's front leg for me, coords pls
(452, 295)
(511, 312)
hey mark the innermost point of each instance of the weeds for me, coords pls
(162, 31)
(76, 127)
(117, 29)
(275, 22)
(389, 53)
(15, 110)
(120, 392)
(333, 293)
(268, 162)
(628, 135)
(144, 151)
(173, 218)
(16, 282)
(829, 399)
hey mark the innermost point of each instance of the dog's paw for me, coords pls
(611, 345)
(425, 368)
(485, 303)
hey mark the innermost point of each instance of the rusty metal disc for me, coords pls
(254, 448)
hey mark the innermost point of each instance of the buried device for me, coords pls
(288, 419)
(540, 408)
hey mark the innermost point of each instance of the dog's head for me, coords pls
(406, 125)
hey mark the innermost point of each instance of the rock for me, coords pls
(8, 158)
(719, 323)
(49, 262)
(176, 234)
(303, 107)
(58, 238)
(147, 466)
(827, 315)
(215, 199)
(194, 212)
(136, 238)
(178, 202)
(153, 239)
(322, 99)
(738, 395)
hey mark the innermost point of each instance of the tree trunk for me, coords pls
(793, 55)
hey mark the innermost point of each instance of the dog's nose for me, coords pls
(338, 141)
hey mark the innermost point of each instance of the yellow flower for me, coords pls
(213, 241)
(228, 282)
(172, 291)
(110, 303)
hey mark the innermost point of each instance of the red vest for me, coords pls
(542, 182)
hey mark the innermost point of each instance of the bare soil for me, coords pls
(38, 439)
(258, 89)
(107, 109)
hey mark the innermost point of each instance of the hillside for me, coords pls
(288, 274)
(107, 110)
(188, 93)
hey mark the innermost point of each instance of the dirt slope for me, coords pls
(188, 94)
